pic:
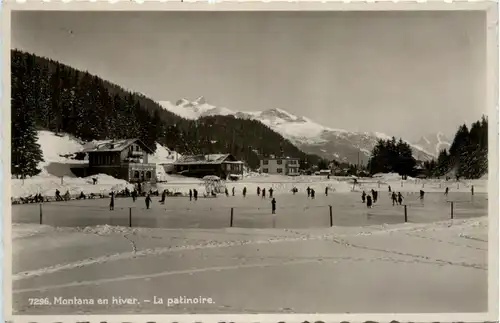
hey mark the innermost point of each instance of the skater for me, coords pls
(134, 195)
(58, 195)
(389, 188)
(195, 194)
(400, 198)
(308, 191)
(190, 195)
(271, 192)
(263, 193)
(82, 196)
(369, 201)
(258, 191)
(363, 197)
(244, 191)
(233, 190)
(326, 191)
(312, 193)
(422, 193)
(375, 196)
(294, 190)
(148, 200)
(394, 198)
(273, 206)
(446, 191)
(94, 181)
(164, 195)
(226, 192)
(112, 202)
(472, 189)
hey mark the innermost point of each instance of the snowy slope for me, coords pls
(433, 143)
(306, 134)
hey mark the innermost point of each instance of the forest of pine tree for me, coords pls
(392, 156)
(467, 156)
(51, 96)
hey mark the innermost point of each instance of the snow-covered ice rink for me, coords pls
(293, 262)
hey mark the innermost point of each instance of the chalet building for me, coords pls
(221, 165)
(125, 159)
(283, 166)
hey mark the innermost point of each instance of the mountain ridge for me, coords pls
(309, 136)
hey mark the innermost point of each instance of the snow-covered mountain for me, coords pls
(433, 143)
(306, 134)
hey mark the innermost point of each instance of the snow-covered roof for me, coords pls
(113, 145)
(202, 159)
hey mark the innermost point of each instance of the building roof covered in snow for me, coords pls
(206, 159)
(114, 145)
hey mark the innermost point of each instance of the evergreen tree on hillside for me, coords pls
(64, 99)
(468, 154)
(25, 150)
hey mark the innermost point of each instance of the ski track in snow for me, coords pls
(300, 236)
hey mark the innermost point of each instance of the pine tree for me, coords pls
(25, 150)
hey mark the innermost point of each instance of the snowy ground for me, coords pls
(432, 267)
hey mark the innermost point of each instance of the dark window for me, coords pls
(265, 162)
(280, 170)
(136, 174)
(148, 175)
(265, 170)
(279, 162)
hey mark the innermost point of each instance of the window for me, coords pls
(265, 162)
(280, 170)
(279, 162)
(148, 175)
(265, 170)
(136, 174)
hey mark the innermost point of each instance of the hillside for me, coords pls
(51, 96)
(309, 136)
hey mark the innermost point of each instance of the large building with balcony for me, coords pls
(283, 166)
(124, 159)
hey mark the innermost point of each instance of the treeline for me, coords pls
(392, 156)
(52, 96)
(467, 156)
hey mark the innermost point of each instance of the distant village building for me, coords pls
(283, 166)
(124, 159)
(221, 165)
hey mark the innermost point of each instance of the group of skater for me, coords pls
(397, 198)
(369, 199)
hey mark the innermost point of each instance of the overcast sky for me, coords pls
(402, 73)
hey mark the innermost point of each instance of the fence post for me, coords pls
(231, 221)
(451, 206)
(331, 216)
(41, 213)
(406, 214)
(458, 186)
(130, 217)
